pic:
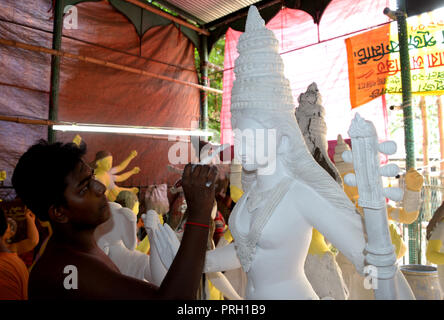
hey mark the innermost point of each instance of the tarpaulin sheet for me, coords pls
(321, 57)
(92, 93)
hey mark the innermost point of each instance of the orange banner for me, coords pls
(363, 60)
(374, 64)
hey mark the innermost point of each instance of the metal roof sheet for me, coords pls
(210, 10)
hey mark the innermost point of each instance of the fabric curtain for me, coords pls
(96, 94)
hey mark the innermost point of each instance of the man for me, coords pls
(58, 185)
(13, 272)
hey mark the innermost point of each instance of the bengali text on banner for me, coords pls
(374, 64)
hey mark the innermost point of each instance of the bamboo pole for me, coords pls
(53, 109)
(168, 16)
(441, 133)
(28, 121)
(203, 52)
(425, 135)
(44, 122)
(104, 63)
(406, 85)
(426, 212)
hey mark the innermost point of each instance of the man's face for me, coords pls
(86, 203)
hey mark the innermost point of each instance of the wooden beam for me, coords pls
(28, 121)
(44, 122)
(104, 63)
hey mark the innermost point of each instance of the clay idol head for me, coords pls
(265, 128)
(261, 98)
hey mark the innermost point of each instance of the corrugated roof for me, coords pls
(210, 10)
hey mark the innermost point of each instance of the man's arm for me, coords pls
(186, 270)
(33, 235)
(183, 277)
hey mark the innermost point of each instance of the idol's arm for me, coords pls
(223, 285)
(345, 230)
(222, 259)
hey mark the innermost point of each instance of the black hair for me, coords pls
(40, 174)
(3, 223)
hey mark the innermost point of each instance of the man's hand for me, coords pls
(133, 154)
(29, 215)
(136, 170)
(437, 217)
(198, 183)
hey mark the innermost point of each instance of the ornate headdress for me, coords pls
(260, 82)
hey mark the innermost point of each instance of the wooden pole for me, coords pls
(55, 67)
(51, 123)
(28, 121)
(168, 16)
(406, 85)
(425, 162)
(203, 51)
(104, 63)
(441, 133)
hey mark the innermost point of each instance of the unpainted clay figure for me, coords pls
(164, 245)
(107, 174)
(286, 192)
(321, 267)
(310, 115)
(117, 237)
(407, 213)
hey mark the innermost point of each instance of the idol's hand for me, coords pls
(162, 238)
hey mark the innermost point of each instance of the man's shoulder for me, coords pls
(66, 274)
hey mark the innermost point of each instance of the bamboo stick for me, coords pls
(441, 132)
(168, 16)
(28, 121)
(425, 162)
(51, 123)
(105, 63)
(425, 132)
(53, 109)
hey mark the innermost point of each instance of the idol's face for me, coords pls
(254, 145)
(105, 163)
